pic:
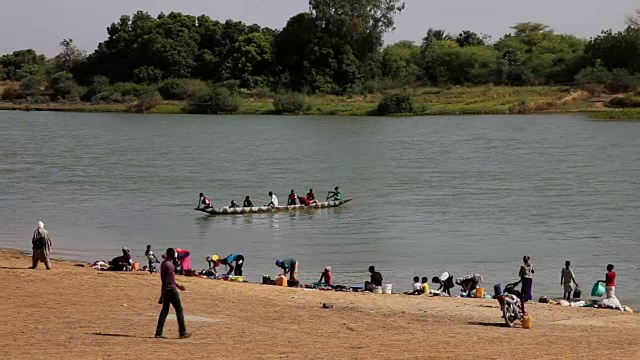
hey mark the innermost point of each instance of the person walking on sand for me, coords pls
(41, 246)
(610, 282)
(566, 278)
(526, 276)
(169, 296)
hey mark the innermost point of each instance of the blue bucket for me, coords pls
(497, 290)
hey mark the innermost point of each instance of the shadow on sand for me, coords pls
(122, 335)
(480, 323)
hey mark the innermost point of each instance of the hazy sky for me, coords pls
(41, 24)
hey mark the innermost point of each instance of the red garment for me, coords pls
(311, 196)
(292, 199)
(304, 201)
(610, 278)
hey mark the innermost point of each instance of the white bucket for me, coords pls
(386, 289)
(377, 290)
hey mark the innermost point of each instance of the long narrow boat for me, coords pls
(265, 209)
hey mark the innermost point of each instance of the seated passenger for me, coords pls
(247, 202)
(292, 198)
(234, 204)
(204, 200)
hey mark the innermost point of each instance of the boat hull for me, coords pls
(266, 209)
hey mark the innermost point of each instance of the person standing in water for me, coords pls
(526, 276)
(610, 282)
(169, 296)
(41, 246)
(566, 278)
(274, 200)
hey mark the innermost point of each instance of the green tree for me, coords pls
(18, 60)
(400, 61)
(469, 38)
(620, 50)
(69, 57)
(62, 86)
(252, 61)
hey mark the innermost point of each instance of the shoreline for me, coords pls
(481, 100)
(111, 314)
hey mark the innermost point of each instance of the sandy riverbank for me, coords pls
(74, 312)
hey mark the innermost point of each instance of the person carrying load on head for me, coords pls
(204, 201)
(469, 282)
(290, 266)
(235, 269)
(41, 246)
(335, 195)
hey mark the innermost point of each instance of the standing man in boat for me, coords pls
(247, 202)
(292, 198)
(274, 200)
(203, 200)
(335, 195)
(236, 268)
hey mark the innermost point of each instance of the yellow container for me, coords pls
(135, 266)
(282, 281)
(480, 293)
(238, 278)
(527, 322)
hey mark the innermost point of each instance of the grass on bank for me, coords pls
(432, 101)
(617, 115)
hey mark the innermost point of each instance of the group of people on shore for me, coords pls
(204, 201)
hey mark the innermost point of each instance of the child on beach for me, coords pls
(425, 286)
(566, 278)
(417, 287)
(326, 276)
(153, 260)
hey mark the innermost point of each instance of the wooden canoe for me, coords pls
(266, 209)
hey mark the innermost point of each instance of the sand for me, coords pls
(74, 312)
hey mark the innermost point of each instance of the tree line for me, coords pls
(334, 48)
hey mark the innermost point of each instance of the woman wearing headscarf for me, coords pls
(122, 262)
(526, 276)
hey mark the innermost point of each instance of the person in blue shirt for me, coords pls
(236, 268)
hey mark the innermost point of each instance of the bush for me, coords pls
(129, 89)
(182, 89)
(32, 86)
(62, 86)
(290, 103)
(98, 85)
(217, 101)
(627, 101)
(12, 92)
(396, 104)
(39, 99)
(622, 81)
(146, 102)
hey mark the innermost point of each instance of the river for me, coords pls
(462, 194)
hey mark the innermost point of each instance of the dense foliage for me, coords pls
(334, 48)
(396, 104)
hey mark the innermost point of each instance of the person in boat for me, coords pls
(247, 202)
(376, 279)
(290, 266)
(292, 198)
(303, 200)
(234, 263)
(204, 201)
(274, 199)
(335, 195)
(234, 204)
(326, 277)
(122, 262)
(312, 197)
(445, 281)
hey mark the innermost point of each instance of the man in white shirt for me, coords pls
(274, 200)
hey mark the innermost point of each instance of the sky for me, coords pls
(42, 24)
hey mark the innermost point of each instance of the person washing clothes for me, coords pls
(526, 277)
(290, 266)
(445, 281)
(151, 257)
(469, 283)
(214, 263)
(376, 279)
(234, 263)
(610, 282)
(326, 277)
(123, 262)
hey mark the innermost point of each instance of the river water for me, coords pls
(462, 194)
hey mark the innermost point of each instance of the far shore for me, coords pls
(434, 101)
(78, 312)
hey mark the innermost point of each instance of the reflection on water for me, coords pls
(462, 194)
